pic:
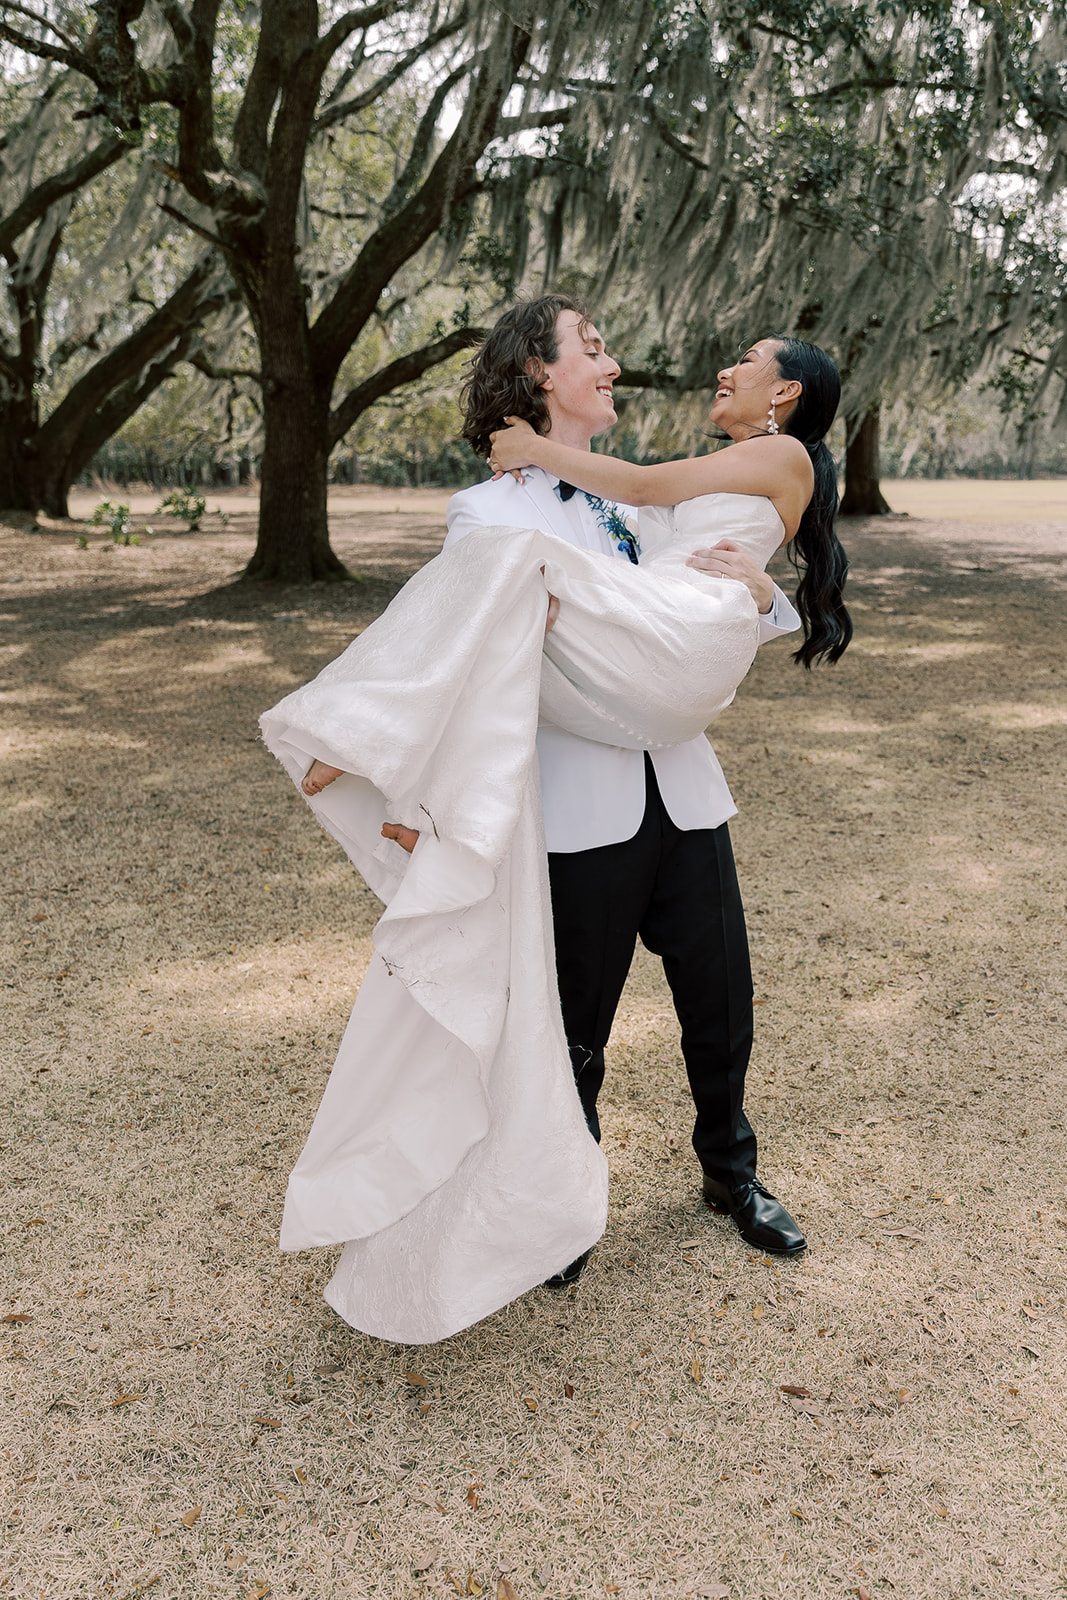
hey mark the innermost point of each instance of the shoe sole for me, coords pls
(776, 1249)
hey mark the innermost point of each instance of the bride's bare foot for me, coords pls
(317, 776)
(406, 838)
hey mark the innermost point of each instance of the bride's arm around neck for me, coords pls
(779, 468)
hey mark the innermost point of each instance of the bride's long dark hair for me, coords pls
(815, 549)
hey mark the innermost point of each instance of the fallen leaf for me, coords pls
(259, 1594)
(17, 1316)
(938, 1508)
(328, 1368)
(473, 1586)
(424, 1560)
(905, 1233)
(42, 916)
(838, 1132)
(300, 1475)
(544, 1576)
(929, 1328)
(191, 1516)
(505, 1589)
(236, 1561)
(794, 1512)
(531, 1405)
(424, 1409)
(267, 1422)
(690, 1244)
(124, 1400)
(795, 1389)
(696, 1369)
(351, 1540)
(35, 1222)
(903, 1396)
(712, 1591)
(1033, 1315)
(416, 1380)
(873, 1216)
(472, 1498)
(568, 1390)
(440, 1507)
(860, 1592)
(757, 1313)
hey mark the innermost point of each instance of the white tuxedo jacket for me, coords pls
(594, 794)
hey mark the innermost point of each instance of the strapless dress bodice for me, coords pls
(670, 534)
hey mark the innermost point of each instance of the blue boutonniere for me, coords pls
(616, 526)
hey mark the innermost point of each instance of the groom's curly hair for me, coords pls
(504, 378)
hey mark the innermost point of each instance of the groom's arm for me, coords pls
(466, 511)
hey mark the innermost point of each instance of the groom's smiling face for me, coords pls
(578, 384)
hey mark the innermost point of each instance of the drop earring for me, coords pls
(772, 422)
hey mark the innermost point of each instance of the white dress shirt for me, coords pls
(594, 794)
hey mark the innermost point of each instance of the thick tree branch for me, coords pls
(194, 227)
(222, 374)
(44, 22)
(339, 110)
(536, 119)
(672, 141)
(405, 369)
(350, 23)
(194, 35)
(184, 310)
(72, 178)
(422, 143)
(74, 59)
(449, 182)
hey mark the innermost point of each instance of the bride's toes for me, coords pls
(317, 776)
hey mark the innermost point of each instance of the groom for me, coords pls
(638, 844)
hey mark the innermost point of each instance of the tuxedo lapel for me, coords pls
(551, 517)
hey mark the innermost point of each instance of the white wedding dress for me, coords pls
(449, 1152)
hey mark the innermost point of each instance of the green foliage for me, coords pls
(116, 517)
(185, 505)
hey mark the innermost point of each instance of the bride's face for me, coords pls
(747, 391)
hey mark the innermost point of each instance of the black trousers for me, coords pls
(676, 891)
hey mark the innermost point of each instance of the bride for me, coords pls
(450, 1153)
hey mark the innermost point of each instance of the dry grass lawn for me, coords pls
(185, 1417)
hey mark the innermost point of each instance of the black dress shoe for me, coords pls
(762, 1220)
(569, 1275)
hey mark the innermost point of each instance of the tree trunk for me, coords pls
(293, 545)
(17, 491)
(863, 497)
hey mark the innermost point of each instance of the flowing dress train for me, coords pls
(449, 1152)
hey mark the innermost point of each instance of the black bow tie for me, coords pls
(565, 490)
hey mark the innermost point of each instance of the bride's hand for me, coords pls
(510, 448)
(729, 560)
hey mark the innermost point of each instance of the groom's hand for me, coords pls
(729, 560)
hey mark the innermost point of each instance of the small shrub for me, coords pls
(185, 506)
(116, 517)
